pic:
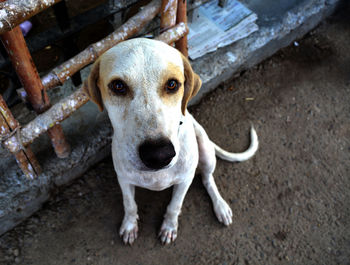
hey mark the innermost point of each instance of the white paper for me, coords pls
(214, 27)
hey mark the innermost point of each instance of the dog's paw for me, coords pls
(223, 212)
(128, 230)
(168, 232)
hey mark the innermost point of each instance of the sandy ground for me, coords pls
(290, 203)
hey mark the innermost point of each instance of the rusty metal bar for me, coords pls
(13, 13)
(9, 128)
(168, 14)
(21, 59)
(181, 17)
(68, 105)
(61, 73)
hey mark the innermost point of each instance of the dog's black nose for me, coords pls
(156, 154)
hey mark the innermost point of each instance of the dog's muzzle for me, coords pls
(156, 154)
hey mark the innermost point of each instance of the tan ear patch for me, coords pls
(192, 84)
(91, 85)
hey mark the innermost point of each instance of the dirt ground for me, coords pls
(290, 203)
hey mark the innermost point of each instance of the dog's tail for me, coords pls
(238, 157)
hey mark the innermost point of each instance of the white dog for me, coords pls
(145, 86)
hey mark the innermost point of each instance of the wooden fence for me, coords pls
(17, 138)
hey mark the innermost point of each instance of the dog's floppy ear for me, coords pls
(192, 84)
(91, 87)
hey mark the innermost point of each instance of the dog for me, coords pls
(145, 86)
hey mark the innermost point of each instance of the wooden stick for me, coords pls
(173, 34)
(24, 157)
(181, 17)
(68, 105)
(57, 113)
(61, 73)
(12, 14)
(21, 59)
(11, 122)
(168, 14)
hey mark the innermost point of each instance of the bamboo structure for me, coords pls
(12, 135)
(181, 17)
(168, 14)
(9, 132)
(13, 13)
(68, 105)
(22, 62)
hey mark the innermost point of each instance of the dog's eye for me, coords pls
(118, 87)
(172, 86)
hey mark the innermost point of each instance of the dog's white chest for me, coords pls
(184, 167)
(159, 180)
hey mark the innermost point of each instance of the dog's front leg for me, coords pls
(168, 231)
(128, 230)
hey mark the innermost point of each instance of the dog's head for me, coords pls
(145, 86)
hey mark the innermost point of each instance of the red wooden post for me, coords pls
(22, 62)
(168, 14)
(181, 16)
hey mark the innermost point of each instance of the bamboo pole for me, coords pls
(181, 17)
(8, 131)
(61, 73)
(21, 59)
(68, 105)
(13, 13)
(168, 14)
